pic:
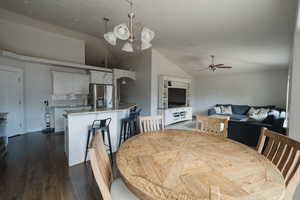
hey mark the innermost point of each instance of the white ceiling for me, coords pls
(251, 35)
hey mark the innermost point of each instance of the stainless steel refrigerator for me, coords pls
(101, 96)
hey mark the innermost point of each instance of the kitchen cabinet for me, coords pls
(70, 83)
(98, 77)
(81, 83)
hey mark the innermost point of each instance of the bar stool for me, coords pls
(126, 129)
(135, 116)
(103, 126)
(129, 126)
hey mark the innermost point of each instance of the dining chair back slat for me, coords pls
(101, 166)
(151, 123)
(284, 158)
(213, 125)
(284, 153)
(273, 150)
(279, 153)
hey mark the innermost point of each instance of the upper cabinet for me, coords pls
(70, 83)
(81, 83)
(99, 77)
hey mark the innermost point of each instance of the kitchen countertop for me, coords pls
(99, 110)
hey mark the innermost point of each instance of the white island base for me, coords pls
(76, 130)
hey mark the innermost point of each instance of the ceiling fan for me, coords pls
(213, 67)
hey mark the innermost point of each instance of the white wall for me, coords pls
(37, 88)
(92, 52)
(162, 66)
(28, 40)
(256, 88)
(294, 107)
(139, 91)
(148, 66)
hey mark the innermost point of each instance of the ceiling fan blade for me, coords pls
(224, 67)
(218, 65)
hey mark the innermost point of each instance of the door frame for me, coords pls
(21, 76)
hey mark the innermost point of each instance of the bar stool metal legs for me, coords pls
(103, 127)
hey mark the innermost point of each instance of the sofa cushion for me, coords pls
(237, 117)
(240, 109)
(269, 120)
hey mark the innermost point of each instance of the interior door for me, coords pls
(11, 100)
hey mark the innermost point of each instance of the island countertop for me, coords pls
(99, 110)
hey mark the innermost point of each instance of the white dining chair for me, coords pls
(101, 166)
(151, 123)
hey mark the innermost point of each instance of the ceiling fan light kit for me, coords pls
(126, 33)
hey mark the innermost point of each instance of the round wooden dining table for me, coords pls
(179, 164)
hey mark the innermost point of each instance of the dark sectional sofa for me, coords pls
(246, 131)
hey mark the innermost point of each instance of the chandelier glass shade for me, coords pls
(110, 38)
(145, 45)
(121, 31)
(127, 34)
(128, 47)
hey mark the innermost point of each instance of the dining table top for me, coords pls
(181, 164)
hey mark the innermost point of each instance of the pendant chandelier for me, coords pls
(128, 32)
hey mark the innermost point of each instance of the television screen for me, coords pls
(176, 97)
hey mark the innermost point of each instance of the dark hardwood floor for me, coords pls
(36, 168)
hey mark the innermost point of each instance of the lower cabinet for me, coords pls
(174, 115)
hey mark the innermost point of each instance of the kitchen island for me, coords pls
(77, 123)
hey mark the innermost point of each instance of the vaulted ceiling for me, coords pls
(250, 35)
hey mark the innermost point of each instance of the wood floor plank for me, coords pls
(36, 169)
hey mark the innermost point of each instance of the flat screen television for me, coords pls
(176, 97)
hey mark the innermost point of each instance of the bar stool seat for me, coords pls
(103, 126)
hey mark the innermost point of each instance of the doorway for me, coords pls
(11, 99)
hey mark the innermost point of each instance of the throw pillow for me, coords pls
(217, 109)
(226, 110)
(258, 114)
(275, 113)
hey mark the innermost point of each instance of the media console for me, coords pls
(174, 115)
(175, 99)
